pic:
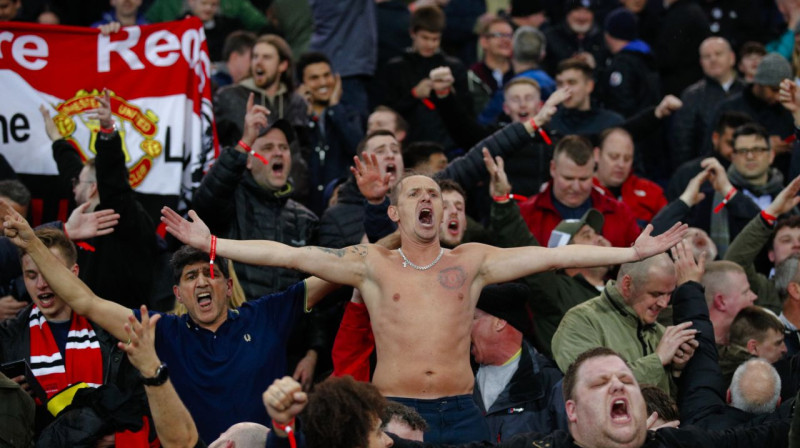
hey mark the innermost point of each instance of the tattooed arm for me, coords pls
(345, 266)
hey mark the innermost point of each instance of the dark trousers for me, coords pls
(450, 419)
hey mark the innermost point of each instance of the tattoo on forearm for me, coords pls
(338, 252)
(452, 278)
(360, 250)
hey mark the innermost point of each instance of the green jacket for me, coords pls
(606, 321)
(249, 15)
(744, 250)
(730, 358)
(553, 293)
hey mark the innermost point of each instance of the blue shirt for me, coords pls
(221, 375)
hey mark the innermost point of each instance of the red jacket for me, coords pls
(620, 226)
(354, 343)
(644, 197)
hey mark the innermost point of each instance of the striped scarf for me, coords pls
(84, 361)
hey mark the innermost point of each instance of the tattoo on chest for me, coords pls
(452, 278)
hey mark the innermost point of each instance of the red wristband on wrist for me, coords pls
(541, 132)
(109, 129)
(505, 197)
(212, 254)
(724, 202)
(288, 428)
(250, 151)
(768, 218)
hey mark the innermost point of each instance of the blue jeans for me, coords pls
(450, 419)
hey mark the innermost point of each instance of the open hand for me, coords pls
(692, 196)
(498, 185)
(786, 200)
(369, 180)
(49, 125)
(141, 347)
(685, 266)
(646, 245)
(550, 107)
(195, 233)
(82, 225)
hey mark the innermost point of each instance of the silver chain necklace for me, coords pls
(407, 262)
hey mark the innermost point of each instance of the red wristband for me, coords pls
(724, 202)
(288, 428)
(505, 197)
(108, 130)
(212, 254)
(250, 151)
(541, 132)
(768, 218)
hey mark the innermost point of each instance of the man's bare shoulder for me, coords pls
(471, 248)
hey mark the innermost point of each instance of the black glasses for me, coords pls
(756, 150)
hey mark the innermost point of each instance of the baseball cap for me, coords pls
(773, 69)
(567, 228)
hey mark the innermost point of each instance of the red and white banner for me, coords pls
(159, 76)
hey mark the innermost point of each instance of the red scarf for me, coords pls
(84, 361)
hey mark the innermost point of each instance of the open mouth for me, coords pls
(277, 167)
(426, 217)
(452, 227)
(619, 411)
(46, 299)
(391, 168)
(204, 300)
(523, 114)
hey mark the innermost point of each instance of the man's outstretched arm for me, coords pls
(344, 266)
(109, 315)
(502, 265)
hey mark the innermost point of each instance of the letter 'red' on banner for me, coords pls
(159, 78)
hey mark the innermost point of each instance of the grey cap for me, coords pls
(773, 69)
(567, 228)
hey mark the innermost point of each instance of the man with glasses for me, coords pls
(490, 75)
(749, 186)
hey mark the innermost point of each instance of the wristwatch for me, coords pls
(161, 377)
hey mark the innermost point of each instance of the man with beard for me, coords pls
(270, 83)
(577, 36)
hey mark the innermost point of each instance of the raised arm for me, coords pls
(109, 315)
(346, 266)
(502, 265)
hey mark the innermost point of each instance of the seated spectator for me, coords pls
(721, 142)
(754, 333)
(334, 129)
(517, 389)
(578, 116)
(576, 36)
(614, 158)
(727, 292)
(571, 193)
(624, 317)
(629, 82)
(404, 85)
(750, 56)
(126, 12)
(693, 122)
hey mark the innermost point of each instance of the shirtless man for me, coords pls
(421, 298)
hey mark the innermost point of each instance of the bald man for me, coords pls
(624, 317)
(755, 388)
